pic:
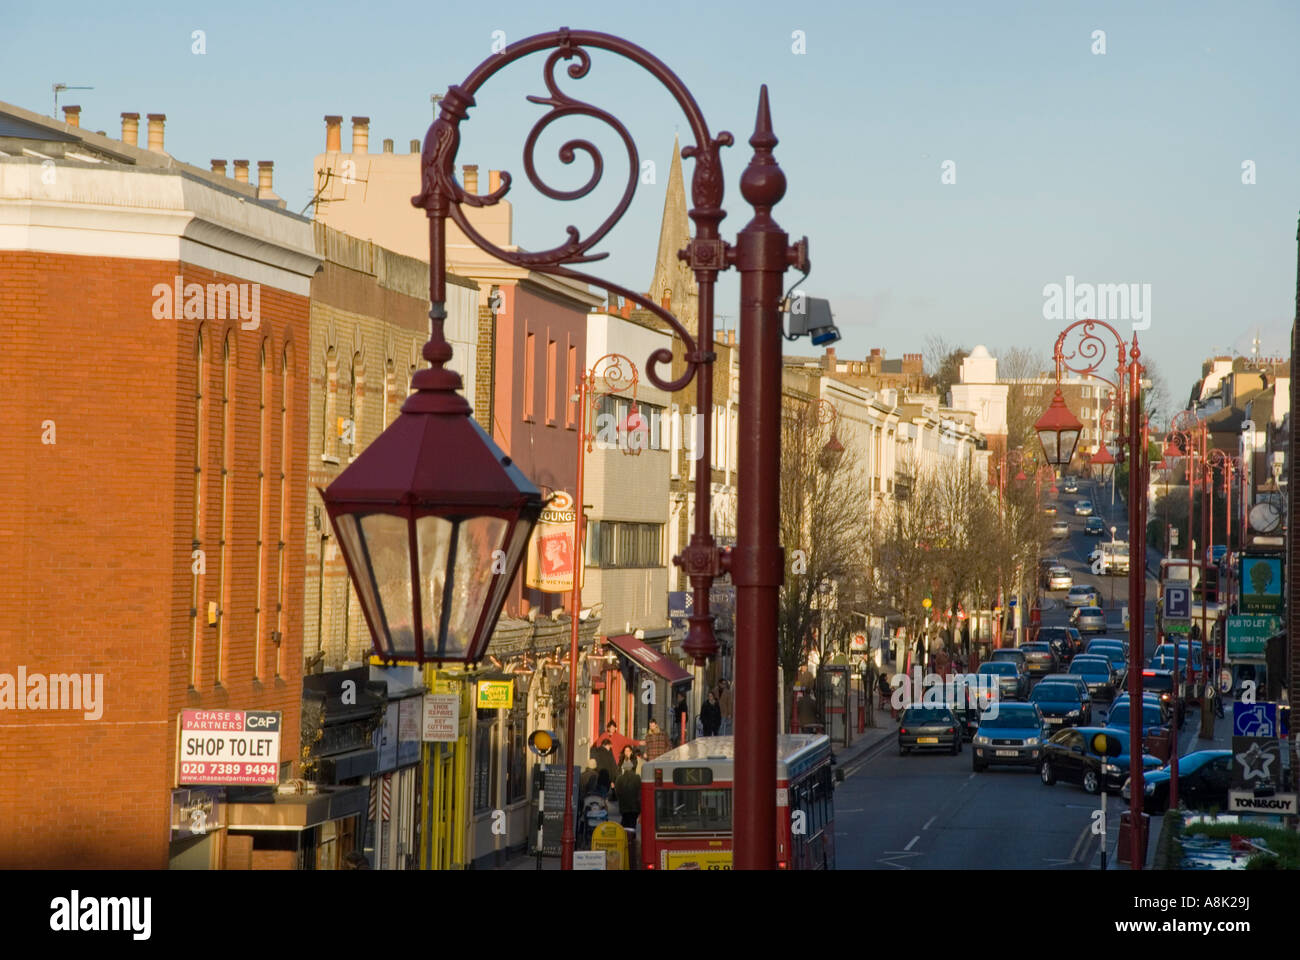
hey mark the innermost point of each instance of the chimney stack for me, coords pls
(333, 134)
(415, 146)
(360, 134)
(131, 129)
(470, 176)
(241, 171)
(627, 308)
(156, 121)
(388, 146)
(219, 167)
(264, 168)
(494, 180)
(72, 116)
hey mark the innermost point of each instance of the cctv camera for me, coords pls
(825, 335)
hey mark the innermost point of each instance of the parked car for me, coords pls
(1071, 755)
(1094, 527)
(1040, 658)
(928, 728)
(1058, 578)
(1089, 619)
(1013, 683)
(1060, 530)
(1083, 508)
(1204, 778)
(1061, 704)
(1014, 734)
(1097, 673)
(1083, 595)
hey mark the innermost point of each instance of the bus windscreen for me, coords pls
(693, 811)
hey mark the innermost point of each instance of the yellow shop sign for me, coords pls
(496, 694)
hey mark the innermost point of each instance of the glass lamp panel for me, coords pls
(1048, 439)
(1069, 440)
(456, 572)
(379, 546)
(514, 548)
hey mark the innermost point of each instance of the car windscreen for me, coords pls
(1089, 667)
(1010, 718)
(1151, 716)
(927, 715)
(1090, 611)
(1055, 693)
(1001, 667)
(1035, 647)
(1158, 682)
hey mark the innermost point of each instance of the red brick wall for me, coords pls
(95, 544)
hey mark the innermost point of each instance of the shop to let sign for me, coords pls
(228, 747)
(496, 694)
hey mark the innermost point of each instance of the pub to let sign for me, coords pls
(1248, 636)
(229, 747)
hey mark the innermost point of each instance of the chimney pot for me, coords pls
(156, 121)
(470, 176)
(494, 180)
(388, 146)
(264, 168)
(360, 134)
(415, 146)
(333, 134)
(219, 167)
(131, 129)
(72, 115)
(627, 308)
(241, 171)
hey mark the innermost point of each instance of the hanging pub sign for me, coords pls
(551, 552)
(1261, 584)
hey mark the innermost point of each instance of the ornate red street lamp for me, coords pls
(762, 254)
(1058, 430)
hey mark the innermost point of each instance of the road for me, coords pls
(933, 812)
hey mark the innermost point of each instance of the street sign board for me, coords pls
(1279, 804)
(1248, 635)
(496, 694)
(228, 747)
(1178, 600)
(441, 718)
(1176, 627)
(1261, 583)
(589, 860)
(1254, 719)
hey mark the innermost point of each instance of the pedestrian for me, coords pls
(711, 716)
(727, 704)
(679, 718)
(588, 779)
(628, 788)
(605, 761)
(628, 756)
(615, 740)
(882, 683)
(656, 741)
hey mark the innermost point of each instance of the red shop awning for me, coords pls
(648, 658)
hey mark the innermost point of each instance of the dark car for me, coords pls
(1155, 720)
(1085, 695)
(1059, 639)
(1077, 638)
(1165, 655)
(1161, 682)
(1040, 659)
(1013, 682)
(1011, 734)
(1097, 673)
(1071, 755)
(928, 728)
(1094, 527)
(1061, 704)
(1204, 778)
(1114, 651)
(1014, 654)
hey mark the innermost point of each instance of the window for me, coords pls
(391, 406)
(530, 381)
(686, 811)
(352, 429)
(1087, 392)
(552, 385)
(263, 428)
(612, 412)
(286, 453)
(570, 404)
(200, 456)
(330, 436)
(516, 778)
(227, 476)
(485, 762)
(612, 543)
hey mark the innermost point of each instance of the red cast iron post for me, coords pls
(1136, 599)
(757, 562)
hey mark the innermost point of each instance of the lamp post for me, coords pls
(1058, 431)
(1010, 458)
(1190, 433)
(617, 378)
(762, 254)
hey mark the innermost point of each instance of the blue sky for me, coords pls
(1122, 167)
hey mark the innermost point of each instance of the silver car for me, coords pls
(1058, 578)
(1060, 530)
(1083, 508)
(1089, 620)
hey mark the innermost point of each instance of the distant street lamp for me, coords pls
(1058, 431)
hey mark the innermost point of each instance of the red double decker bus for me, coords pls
(686, 805)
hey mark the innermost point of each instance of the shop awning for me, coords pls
(648, 658)
(299, 811)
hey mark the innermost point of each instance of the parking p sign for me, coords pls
(1178, 601)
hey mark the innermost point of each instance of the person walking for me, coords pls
(628, 789)
(711, 716)
(727, 704)
(680, 711)
(656, 741)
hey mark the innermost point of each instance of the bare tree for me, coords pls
(943, 363)
(1020, 364)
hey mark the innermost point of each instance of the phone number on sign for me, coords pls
(229, 769)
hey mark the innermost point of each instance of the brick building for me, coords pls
(154, 345)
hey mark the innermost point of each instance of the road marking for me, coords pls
(1058, 863)
(895, 854)
(911, 843)
(857, 810)
(1078, 844)
(930, 821)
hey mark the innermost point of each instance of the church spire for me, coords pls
(673, 280)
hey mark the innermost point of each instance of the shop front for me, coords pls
(641, 682)
(393, 814)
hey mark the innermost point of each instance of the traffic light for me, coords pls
(542, 742)
(1107, 745)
